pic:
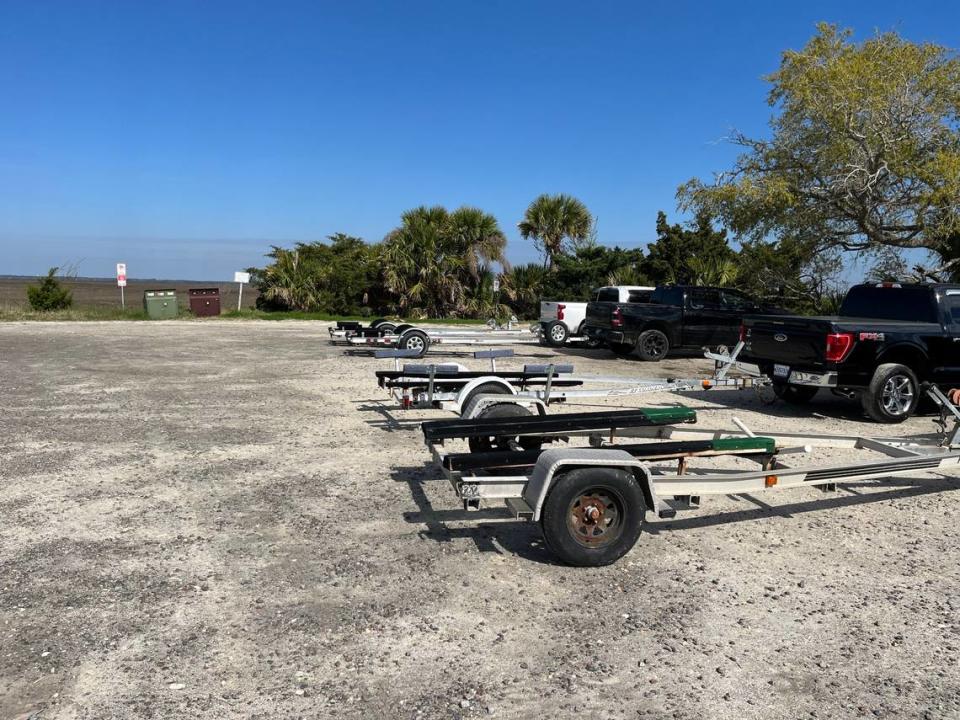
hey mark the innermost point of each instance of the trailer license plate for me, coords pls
(781, 371)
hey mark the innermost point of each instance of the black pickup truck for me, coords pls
(887, 340)
(677, 316)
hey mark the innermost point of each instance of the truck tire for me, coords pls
(502, 410)
(794, 394)
(592, 516)
(557, 334)
(892, 395)
(652, 345)
(414, 339)
(621, 349)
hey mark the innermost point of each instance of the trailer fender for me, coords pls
(479, 403)
(470, 389)
(552, 462)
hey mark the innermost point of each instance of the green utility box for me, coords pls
(160, 304)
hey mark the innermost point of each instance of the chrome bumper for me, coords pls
(809, 379)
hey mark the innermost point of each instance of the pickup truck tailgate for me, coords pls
(788, 341)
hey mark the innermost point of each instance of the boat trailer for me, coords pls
(591, 502)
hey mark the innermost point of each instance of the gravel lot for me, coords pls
(227, 519)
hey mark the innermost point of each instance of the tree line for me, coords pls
(863, 158)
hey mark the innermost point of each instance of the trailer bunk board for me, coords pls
(440, 430)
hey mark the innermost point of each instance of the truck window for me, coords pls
(733, 300)
(668, 296)
(952, 304)
(913, 304)
(638, 296)
(608, 295)
(704, 298)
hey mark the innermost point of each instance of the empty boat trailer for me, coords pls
(591, 502)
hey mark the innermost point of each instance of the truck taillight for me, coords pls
(560, 309)
(838, 345)
(616, 320)
(743, 332)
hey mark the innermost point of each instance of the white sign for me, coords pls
(241, 277)
(496, 284)
(122, 274)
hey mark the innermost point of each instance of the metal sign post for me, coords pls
(122, 282)
(241, 277)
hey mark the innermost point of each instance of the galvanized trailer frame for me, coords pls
(523, 479)
(452, 387)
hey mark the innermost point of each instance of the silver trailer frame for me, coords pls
(667, 491)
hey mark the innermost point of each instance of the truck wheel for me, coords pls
(652, 345)
(592, 516)
(892, 395)
(621, 349)
(794, 394)
(557, 334)
(414, 339)
(501, 410)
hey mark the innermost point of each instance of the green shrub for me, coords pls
(50, 295)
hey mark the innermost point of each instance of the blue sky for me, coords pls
(187, 137)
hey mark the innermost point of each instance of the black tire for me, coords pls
(402, 328)
(556, 334)
(794, 394)
(414, 340)
(621, 349)
(588, 539)
(892, 395)
(487, 388)
(652, 345)
(503, 410)
(386, 328)
(377, 322)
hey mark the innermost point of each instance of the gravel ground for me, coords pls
(228, 519)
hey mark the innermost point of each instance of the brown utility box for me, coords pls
(204, 301)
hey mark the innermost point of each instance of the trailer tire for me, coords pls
(653, 345)
(386, 328)
(557, 334)
(503, 410)
(414, 339)
(794, 394)
(892, 395)
(402, 328)
(377, 322)
(593, 516)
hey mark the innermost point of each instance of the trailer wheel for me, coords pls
(892, 395)
(593, 516)
(794, 394)
(502, 410)
(377, 322)
(386, 328)
(414, 339)
(652, 345)
(402, 328)
(557, 334)
(621, 349)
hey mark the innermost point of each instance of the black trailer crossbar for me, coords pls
(439, 430)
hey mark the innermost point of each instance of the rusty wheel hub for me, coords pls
(594, 518)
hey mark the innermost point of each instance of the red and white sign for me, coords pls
(121, 274)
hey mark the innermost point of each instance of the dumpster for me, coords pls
(205, 301)
(160, 304)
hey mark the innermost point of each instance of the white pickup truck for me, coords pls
(562, 322)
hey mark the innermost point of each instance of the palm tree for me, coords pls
(552, 219)
(713, 270)
(437, 259)
(478, 239)
(290, 281)
(523, 288)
